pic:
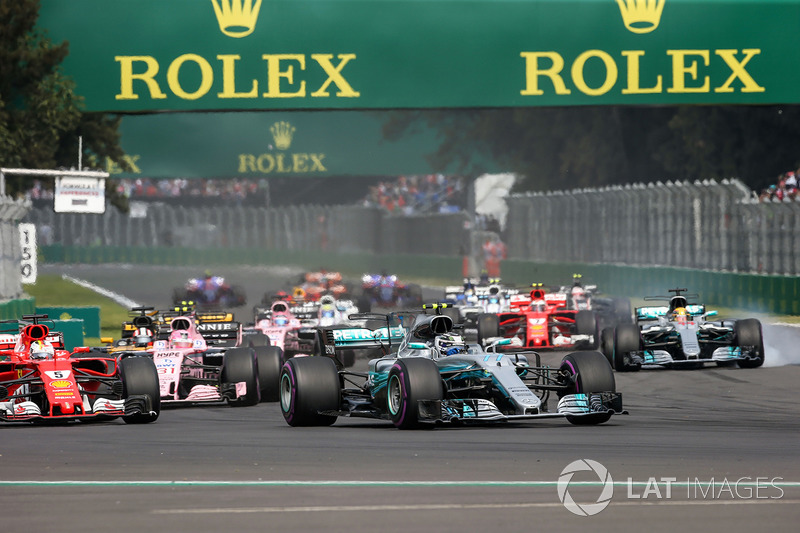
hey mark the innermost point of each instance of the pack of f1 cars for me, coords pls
(432, 376)
(679, 335)
(386, 290)
(209, 291)
(609, 311)
(540, 319)
(41, 381)
(468, 301)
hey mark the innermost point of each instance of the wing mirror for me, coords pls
(417, 345)
(711, 313)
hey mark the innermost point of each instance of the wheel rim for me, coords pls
(394, 394)
(286, 393)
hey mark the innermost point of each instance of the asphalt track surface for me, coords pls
(728, 437)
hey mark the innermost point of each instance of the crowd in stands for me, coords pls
(236, 191)
(785, 189)
(430, 193)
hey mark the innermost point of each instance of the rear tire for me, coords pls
(239, 364)
(257, 339)
(410, 380)
(139, 376)
(488, 327)
(627, 339)
(270, 360)
(309, 385)
(591, 373)
(749, 333)
(607, 344)
(586, 324)
(622, 311)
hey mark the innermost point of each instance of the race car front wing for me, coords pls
(478, 410)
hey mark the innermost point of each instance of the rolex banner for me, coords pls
(135, 56)
(271, 144)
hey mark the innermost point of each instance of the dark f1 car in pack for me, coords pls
(434, 377)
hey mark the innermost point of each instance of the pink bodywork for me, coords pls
(280, 321)
(185, 345)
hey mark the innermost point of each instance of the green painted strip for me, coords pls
(340, 483)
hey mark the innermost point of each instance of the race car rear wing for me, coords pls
(655, 312)
(224, 334)
(335, 339)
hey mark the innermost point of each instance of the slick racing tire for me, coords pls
(270, 360)
(308, 386)
(239, 364)
(622, 311)
(256, 339)
(140, 377)
(586, 324)
(410, 380)
(627, 339)
(488, 327)
(589, 372)
(749, 334)
(607, 344)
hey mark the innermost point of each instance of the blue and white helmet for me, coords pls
(449, 344)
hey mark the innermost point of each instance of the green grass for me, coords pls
(51, 290)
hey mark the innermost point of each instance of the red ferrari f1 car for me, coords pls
(40, 380)
(540, 320)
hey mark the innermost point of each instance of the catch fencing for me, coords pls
(338, 229)
(710, 226)
(706, 225)
(11, 211)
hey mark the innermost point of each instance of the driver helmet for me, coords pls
(42, 350)
(449, 344)
(299, 293)
(142, 336)
(327, 299)
(538, 306)
(681, 315)
(183, 340)
(280, 320)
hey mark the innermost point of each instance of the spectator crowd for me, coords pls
(430, 193)
(236, 191)
(785, 188)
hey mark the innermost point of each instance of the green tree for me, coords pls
(41, 116)
(570, 147)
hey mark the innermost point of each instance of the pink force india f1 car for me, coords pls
(211, 366)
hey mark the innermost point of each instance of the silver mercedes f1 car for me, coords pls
(680, 336)
(430, 375)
